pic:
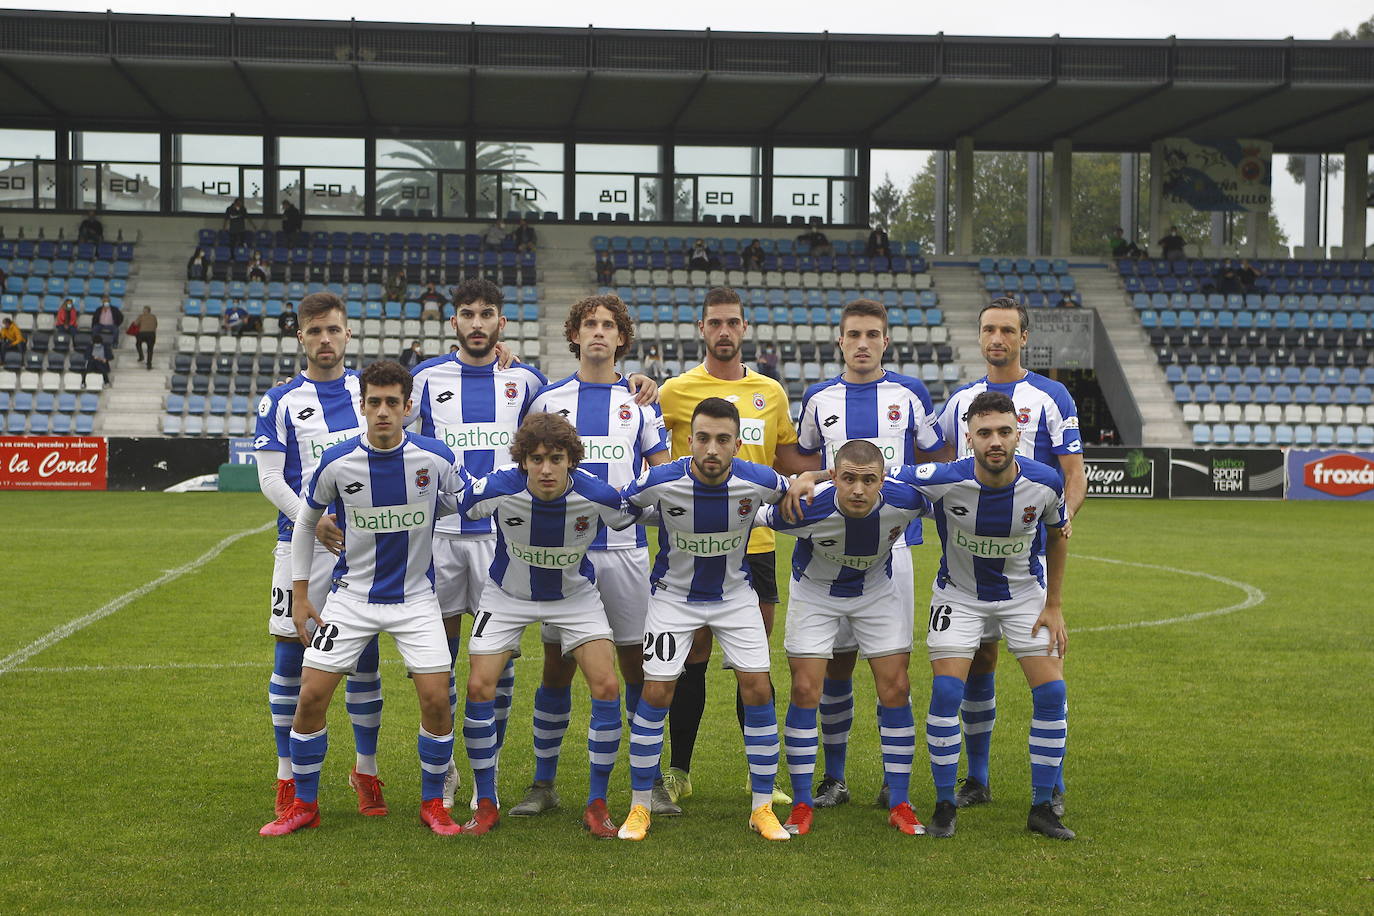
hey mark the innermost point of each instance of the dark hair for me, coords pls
(869, 307)
(321, 303)
(859, 451)
(989, 402)
(721, 295)
(584, 307)
(717, 408)
(475, 289)
(385, 372)
(1007, 302)
(549, 430)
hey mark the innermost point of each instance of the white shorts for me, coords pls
(462, 566)
(735, 622)
(280, 623)
(957, 624)
(350, 624)
(622, 580)
(903, 580)
(881, 623)
(501, 620)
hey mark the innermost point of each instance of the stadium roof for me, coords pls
(116, 71)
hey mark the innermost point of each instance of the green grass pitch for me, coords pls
(1216, 764)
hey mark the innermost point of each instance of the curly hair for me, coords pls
(552, 432)
(476, 289)
(584, 307)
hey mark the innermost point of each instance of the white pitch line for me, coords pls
(1253, 596)
(14, 660)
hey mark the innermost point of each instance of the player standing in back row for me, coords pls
(1048, 422)
(296, 423)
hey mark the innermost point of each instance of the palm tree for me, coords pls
(432, 155)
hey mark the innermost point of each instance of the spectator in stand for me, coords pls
(3, 277)
(452, 349)
(146, 337)
(68, 318)
(1248, 276)
(605, 268)
(396, 286)
(653, 364)
(291, 219)
(236, 220)
(287, 322)
(1067, 301)
(11, 338)
(523, 236)
(235, 319)
(752, 256)
(494, 236)
(106, 320)
(198, 267)
(98, 360)
(257, 270)
(768, 362)
(432, 302)
(701, 257)
(815, 240)
(1227, 280)
(411, 357)
(1171, 246)
(1121, 247)
(878, 243)
(91, 229)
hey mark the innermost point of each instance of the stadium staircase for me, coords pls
(961, 297)
(567, 274)
(1162, 420)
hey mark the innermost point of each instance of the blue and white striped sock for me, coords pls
(646, 749)
(479, 737)
(552, 709)
(603, 745)
(632, 695)
(1060, 784)
(363, 700)
(837, 718)
(436, 751)
(307, 759)
(979, 712)
(761, 747)
(505, 690)
(942, 734)
(799, 736)
(897, 735)
(1049, 731)
(283, 692)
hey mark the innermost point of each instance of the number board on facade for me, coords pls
(1059, 339)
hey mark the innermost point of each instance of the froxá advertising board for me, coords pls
(1322, 474)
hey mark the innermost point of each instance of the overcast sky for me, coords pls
(1315, 19)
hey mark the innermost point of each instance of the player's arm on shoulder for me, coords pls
(790, 459)
(801, 492)
(643, 388)
(483, 495)
(452, 483)
(272, 481)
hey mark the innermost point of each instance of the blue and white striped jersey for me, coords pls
(474, 410)
(390, 501)
(541, 545)
(846, 555)
(617, 435)
(894, 413)
(1045, 413)
(989, 535)
(705, 534)
(303, 418)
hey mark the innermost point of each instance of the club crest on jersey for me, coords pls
(422, 478)
(759, 402)
(512, 391)
(625, 413)
(1023, 415)
(746, 506)
(1028, 515)
(581, 524)
(894, 412)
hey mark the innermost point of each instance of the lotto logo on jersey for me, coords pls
(625, 413)
(477, 436)
(581, 524)
(382, 519)
(605, 450)
(512, 391)
(759, 402)
(746, 506)
(1028, 515)
(707, 545)
(993, 548)
(422, 478)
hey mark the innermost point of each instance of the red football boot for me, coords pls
(369, 789)
(799, 821)
(435, 816)
(286, 794)
(597, 821)
(299, 816)
(905, 820)
(484, 820)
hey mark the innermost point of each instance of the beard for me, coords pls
(478, 352)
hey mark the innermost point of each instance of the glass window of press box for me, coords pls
(116, 171)
(324, 176)
(516, 179)
(716, 183)
(815, 184)
(210, 170)
(422, 178)
(619, 182)
(27, 179)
